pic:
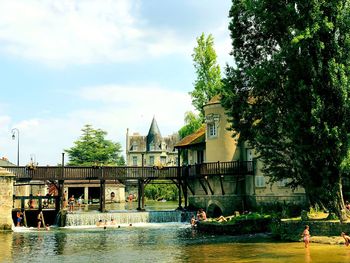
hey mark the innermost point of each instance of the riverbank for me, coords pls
(322, 231)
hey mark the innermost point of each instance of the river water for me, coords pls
(160, 242)
(155, 242)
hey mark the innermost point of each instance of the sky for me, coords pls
(114, 64)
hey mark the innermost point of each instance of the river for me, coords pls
(155, 242)
(160, 242)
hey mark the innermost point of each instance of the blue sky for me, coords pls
(113, 64)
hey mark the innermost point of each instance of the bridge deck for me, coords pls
(234, 168)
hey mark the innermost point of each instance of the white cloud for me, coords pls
(116, 109)
(65, 32)
(134, 106)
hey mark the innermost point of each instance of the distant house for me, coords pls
(153, 148)
(5, 162)
(213, 142)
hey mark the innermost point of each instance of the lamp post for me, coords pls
(14, 130)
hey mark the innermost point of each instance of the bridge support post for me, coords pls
(6, 199)
(139, 194)
(179, 179)
(102, 196)
(59, 199)
(185, 193)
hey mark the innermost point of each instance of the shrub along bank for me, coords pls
(282, 229)
(239, 225)
(291, 230)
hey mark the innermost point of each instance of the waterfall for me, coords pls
(91, 218)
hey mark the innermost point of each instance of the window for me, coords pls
(212, 130)
(134, 146)
(151, 146)
(151, 160)
(134, 160)
(163, 159)
(260, 181)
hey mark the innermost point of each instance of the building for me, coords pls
(214, 142)
(152, 149)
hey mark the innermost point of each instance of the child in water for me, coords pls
(306, 236)
(346, 238)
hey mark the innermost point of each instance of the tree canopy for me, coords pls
(93, 149)
(192, 124)
(208, 82)
(289, 92)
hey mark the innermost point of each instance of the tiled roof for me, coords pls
(194, 138)
(214, 100)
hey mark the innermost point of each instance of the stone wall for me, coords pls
(240, 227)
(6, 199)
(226, 203)
(292, 230)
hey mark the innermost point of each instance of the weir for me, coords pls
(90, 219)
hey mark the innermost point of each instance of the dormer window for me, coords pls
(151, 147)
(134, 147)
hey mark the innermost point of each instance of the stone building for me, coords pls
(213, 142)
(153, 148)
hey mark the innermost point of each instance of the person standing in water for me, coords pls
(346, 238)
(40, 218)
(306, 236)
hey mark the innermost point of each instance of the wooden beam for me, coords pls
(102, 196)
(203, 186)
(211, 190)
(222, 185)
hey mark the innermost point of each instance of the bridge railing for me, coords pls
(130, 172)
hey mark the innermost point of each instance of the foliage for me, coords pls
(192, 124)
(208, 82)
(289, 94)
(161, 191)
(93, 149)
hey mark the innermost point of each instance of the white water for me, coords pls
(122, 218)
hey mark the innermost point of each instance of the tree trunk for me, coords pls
(331, 198)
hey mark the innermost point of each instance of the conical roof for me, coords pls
(154, 135)
(154, 130)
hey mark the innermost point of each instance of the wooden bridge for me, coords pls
(180, 175)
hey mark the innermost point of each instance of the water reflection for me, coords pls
(156, 243)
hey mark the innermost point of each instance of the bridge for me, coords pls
(179, 175)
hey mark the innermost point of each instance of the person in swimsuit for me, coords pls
(346, 238)
(306, 236)
(193, 221)
(71, 203)
(40, 218)
(19, 218)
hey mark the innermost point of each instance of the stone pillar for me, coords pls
(6, 199)
(86, 195)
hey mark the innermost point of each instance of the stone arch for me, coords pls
(214, 209)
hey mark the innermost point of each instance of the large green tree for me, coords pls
(288, 94)
(93, 149)
(208, 82)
